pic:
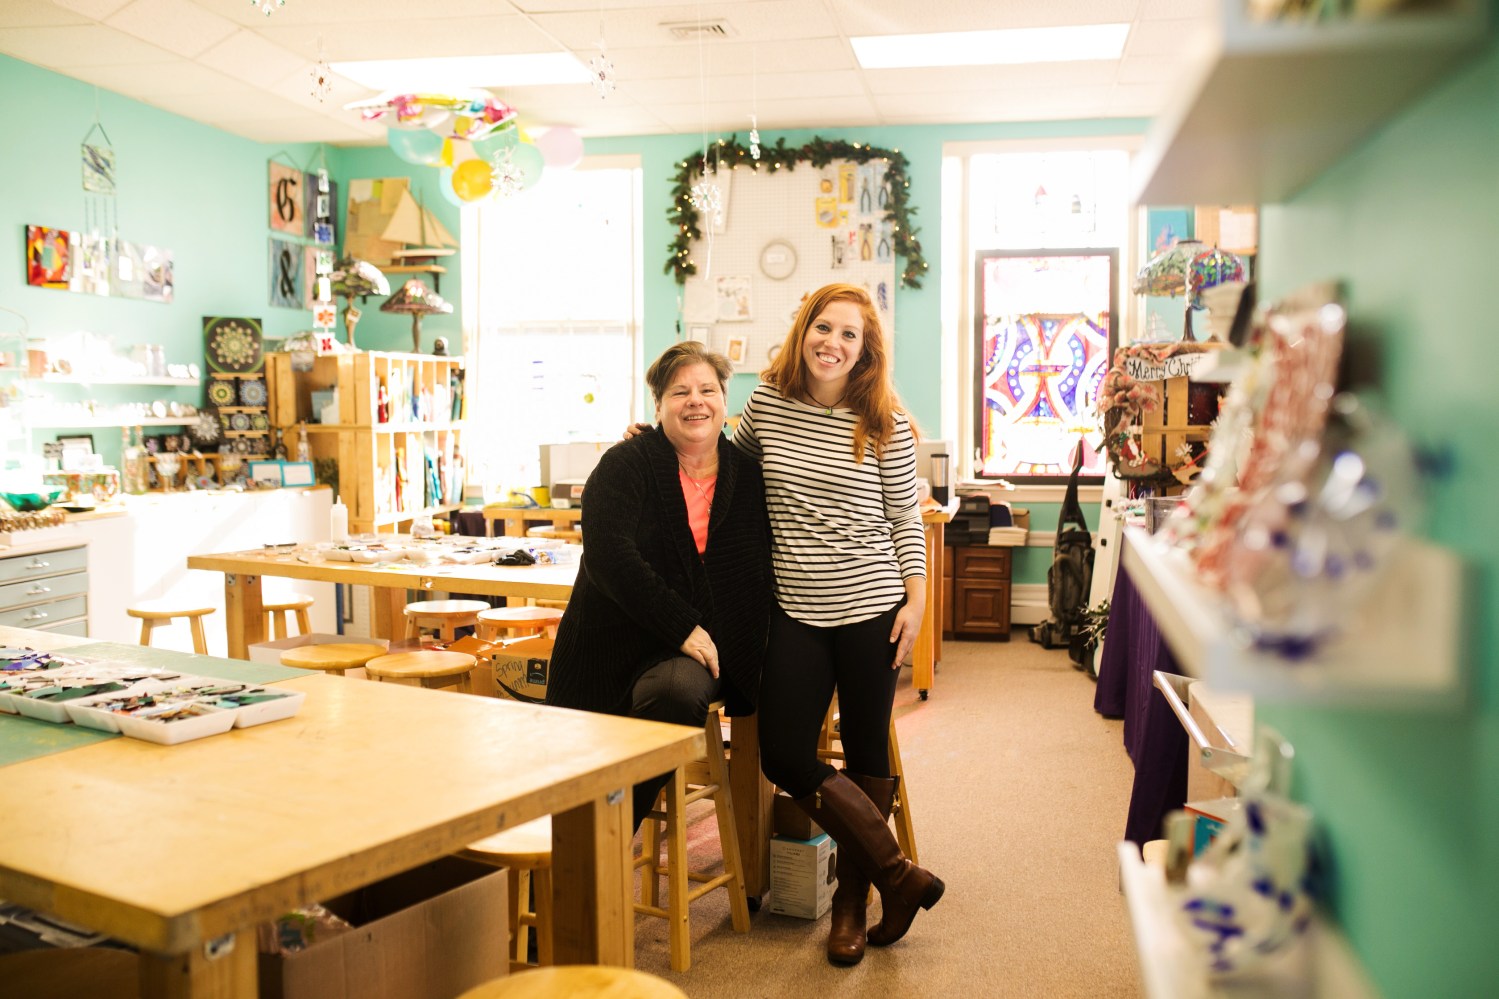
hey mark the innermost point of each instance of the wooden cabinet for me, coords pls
(45, 589)
(398, 442)
(980, 604)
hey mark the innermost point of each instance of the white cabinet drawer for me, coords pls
(41, 615)
(43, 564)
(33, 591)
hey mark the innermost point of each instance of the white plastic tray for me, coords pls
(203, 721)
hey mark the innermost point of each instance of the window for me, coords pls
(1041, 230)
(555, 351)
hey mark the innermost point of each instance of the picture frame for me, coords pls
(82, 441)
(736, 349)
(699, 332)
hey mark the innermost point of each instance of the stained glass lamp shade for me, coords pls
(1166, 273)
(417, 300)
(356, 279)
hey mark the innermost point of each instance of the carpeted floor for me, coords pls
(1019, 791)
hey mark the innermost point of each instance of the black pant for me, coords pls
(802, 667)
(676, 690)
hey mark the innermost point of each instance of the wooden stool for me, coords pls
(900, 809)
(527, 851)
(157, 612)
(424, 669)
(578, 981)
(277, 611)
(442, 616)
(517, 622)
(335, 657)
(707, 778)
(71, 973)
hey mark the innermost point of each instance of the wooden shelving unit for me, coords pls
(1270, 106)
(384, 475)
(1402, 649)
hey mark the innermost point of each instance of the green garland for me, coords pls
(819, 152)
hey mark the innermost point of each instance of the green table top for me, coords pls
(24, 739)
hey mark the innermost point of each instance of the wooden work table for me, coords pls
(182, 850)
(928, 651)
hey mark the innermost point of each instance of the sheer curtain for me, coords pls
(553, 296)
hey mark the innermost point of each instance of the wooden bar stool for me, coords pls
(335, 657)
(442, 616)
(527, 851)
(159, 612)
(900, 809)
(706, 778)
(578, 981)
(518, 622)
(427, 668)
(277, 612)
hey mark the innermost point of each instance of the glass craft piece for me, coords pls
(1045, 339)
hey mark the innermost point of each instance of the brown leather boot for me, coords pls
(846, 918)
(855, 823)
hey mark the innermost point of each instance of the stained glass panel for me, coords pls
(1045, 336)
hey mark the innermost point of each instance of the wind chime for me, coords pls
(100, 228)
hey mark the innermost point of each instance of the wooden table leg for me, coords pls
(936, 568)
(591, 870)
(923, 656)
(244, 613)
(752, 799)
(388, 612)
(229, 972)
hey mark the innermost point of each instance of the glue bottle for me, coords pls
(338, 521)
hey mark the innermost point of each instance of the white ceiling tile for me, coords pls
(673, 62)
(178, 76)
(249, 102)
(351, 12)
(304, 127)
(36, 14)
(246, 56)
(759, 20)
(1151, 70)
(81, 45)
(956, 79)
(179, 26)
(1171, 39)
(1157, 10)
(774, 115)
(412, 38)
(728, 89)
(96, 9)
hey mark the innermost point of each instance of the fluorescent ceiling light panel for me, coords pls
(462, 72)
(992, 48)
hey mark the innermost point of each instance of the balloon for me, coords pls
(561, 147)
(531, 163)
(462, 151)
(505, 137)
(419, 146)
(445, 187)
(471, 180)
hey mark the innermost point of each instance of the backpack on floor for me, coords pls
(1070, 577)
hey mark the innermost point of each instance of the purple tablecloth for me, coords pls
(1133, 650)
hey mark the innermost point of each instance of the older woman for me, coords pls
(672, 602)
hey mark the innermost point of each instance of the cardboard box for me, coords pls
(1212, 816)
(790, 821)
(802, 875)
(270, 652)
(521, 668)
(429, 933)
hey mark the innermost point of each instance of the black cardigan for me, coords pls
(642, 587)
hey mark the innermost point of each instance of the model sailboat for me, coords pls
(424, 238)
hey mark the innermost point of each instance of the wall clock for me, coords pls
(778, 260)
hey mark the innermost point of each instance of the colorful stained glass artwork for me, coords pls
(1045, 342)
(156, 274)
(49, 257)
(288, 212)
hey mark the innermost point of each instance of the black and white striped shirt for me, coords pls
(844, 535)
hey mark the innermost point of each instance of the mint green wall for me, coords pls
(1410, 803)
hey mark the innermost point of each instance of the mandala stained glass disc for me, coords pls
(221, 392)
(232, 345)
(252, 392)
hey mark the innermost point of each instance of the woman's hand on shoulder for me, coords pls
(635, 430)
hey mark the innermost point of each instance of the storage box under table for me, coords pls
(802, 875)
(429, 933)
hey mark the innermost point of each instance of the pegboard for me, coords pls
(784, 234)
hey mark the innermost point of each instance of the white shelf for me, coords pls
(141, 421)
(1402, 649)
(1320, 966)
(1272, 105)
(89, 380)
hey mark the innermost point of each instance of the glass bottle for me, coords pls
(304, 452)
(134, 464)
(382, 403)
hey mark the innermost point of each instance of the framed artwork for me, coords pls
(286, 264)
(1045, 333)
(49, 257)
(700, 332)
(320, 207)
(98, 169)
(732, 295)
(288, 210)
(737, 350)
(232, 345)
(156, 274)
